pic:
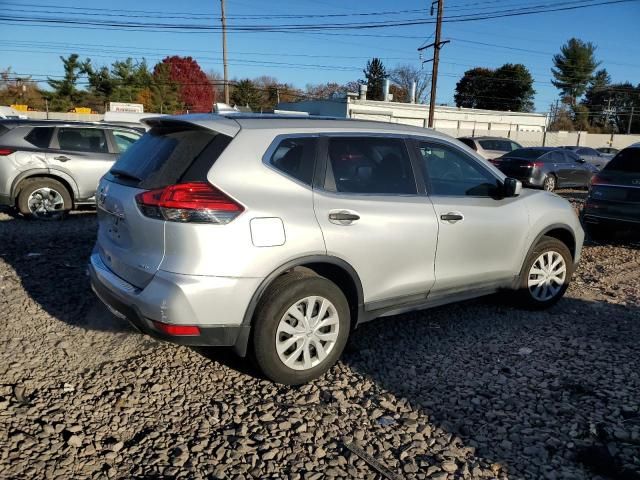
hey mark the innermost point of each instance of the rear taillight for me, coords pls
(536, 164)
(598, 180)
(6, 151)
(195, 202)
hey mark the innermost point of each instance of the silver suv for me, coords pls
(279, 236)
(48, 167)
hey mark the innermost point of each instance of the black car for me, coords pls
(613, 202)
(546, 167)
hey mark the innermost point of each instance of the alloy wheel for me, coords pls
(549, 183)
(45, 202)
(307, 333)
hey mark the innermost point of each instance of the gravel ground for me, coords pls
(475, 390)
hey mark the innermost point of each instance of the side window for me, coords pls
(124, 139)
(469, 143)
(83, 139)
(40, 136)
(514, 146)
(557, 157)
(452, 173)
(587, 151)
(295, 157)
(370, 165)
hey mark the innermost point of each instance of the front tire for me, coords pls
(545, 274)
(300, 328)
(43, 199)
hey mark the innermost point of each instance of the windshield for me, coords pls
(628, 160)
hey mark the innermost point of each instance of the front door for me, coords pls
(372, 216)
(83, 154)
(481, 236)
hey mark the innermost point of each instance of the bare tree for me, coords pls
(404, 75)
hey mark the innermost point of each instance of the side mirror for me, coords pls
(511, 187)
(580, 160)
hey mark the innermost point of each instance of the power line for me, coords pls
(541, 8)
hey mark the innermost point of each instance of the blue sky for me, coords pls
(303, 58)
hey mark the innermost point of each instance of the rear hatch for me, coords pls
(615, 191)
(130, 233)
(515, 167)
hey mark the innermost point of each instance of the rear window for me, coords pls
(627, 160)
(169, 154)
(40, 136)
(498, 145)
(527, 153)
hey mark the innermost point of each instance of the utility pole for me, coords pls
(224, 53)
(437, 44)
(630, 118)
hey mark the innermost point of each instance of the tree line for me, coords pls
(589, 100)
(178, 85)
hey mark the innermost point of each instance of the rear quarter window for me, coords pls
(295, 157)
(40, 136)
(469, 143)
(169, 154)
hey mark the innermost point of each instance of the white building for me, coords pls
(452, 120)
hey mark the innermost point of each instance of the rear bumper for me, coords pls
(215, 305)
(600, 212)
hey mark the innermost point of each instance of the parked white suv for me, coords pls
(280, 235)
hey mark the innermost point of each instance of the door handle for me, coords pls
(343, 217)
(61, 158)
(452, 217)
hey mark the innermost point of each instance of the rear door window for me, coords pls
(124, 139)
(82, 140)
(168, 154)
(369, 165)
(40, 136)
(295, 157)
(555, 157)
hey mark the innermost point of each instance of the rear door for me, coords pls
(82, 153)
(580, 173)
(592, 156)
(559, 164)
(373, 216)
(481, 236)
(131, 244)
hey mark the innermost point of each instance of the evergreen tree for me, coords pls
(574, 67)
(375, 74)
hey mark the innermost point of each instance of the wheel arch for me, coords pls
(333, 268)
(68, 182)
(559, 231)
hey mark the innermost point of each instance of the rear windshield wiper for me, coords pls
(123, 174)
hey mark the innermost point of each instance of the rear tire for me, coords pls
(43, 199)
(545, 274)
(300, 328)
(550, 183)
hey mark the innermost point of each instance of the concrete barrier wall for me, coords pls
(75, 117)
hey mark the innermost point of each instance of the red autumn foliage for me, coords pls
(194, 89)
